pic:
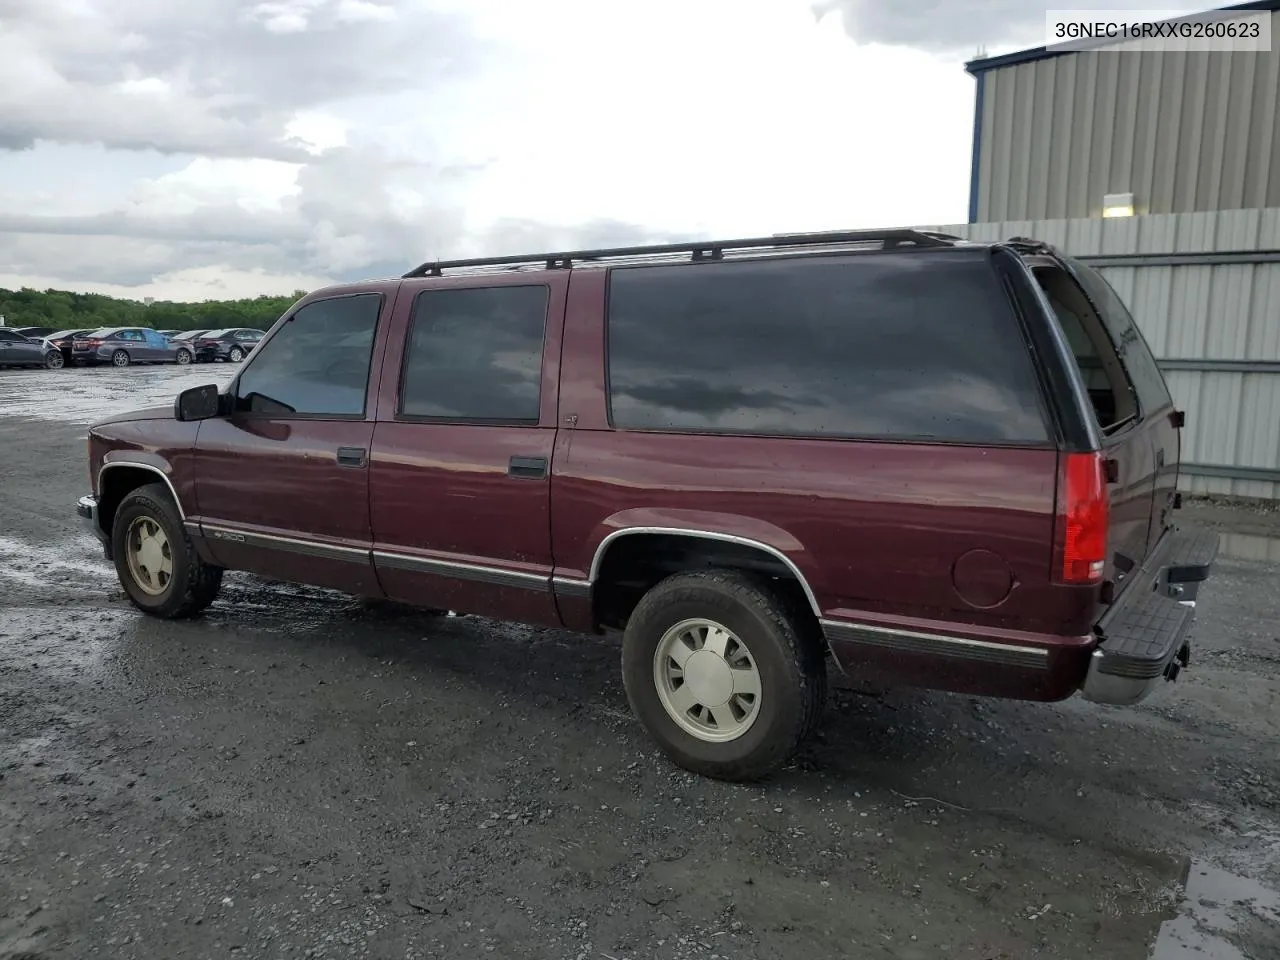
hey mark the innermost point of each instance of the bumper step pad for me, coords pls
(1143, 638)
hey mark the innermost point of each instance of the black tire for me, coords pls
(54, 360)
(788, 655)
(193, 584)
(120, 358)
(235, 355)
(182, 358)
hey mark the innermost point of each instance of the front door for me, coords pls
(461, 464)
(12, 348)
(282, 483)
(157, 346)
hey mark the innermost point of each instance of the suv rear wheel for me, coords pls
(722, 674)
(155, 560)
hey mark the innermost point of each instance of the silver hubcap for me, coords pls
(120, 359)
(236, 356)
(184, 357)
(149, 555)
(54, 361)
(707, 680)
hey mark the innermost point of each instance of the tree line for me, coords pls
(64, 310)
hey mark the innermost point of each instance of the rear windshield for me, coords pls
(920, 345)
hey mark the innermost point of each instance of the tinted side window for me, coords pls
(475, 354)
(8, 337)
(1110, 390)
(882, 345)
(1136, 356)
(317, 364)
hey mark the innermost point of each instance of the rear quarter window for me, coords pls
(921, 346)
(1135, 354)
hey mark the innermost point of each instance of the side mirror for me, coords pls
(198, 403)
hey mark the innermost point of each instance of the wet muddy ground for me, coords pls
(295, 775)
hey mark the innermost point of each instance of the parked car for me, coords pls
(232, 345)
(63, 339)
(19, 351)
(32, 333)
(893, 455)
(121, 346)
(188, 338)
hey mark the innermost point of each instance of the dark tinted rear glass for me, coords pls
(475, 354)
(920, 345)
(1136, 356)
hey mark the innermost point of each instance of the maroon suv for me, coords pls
(892, 454)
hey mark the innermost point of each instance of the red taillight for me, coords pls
(1083, 517)
(89, 343)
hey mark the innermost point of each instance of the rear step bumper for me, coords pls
(1142, 638)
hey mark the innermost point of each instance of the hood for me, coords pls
(130, 416)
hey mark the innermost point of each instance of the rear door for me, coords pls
(25, 350)
(135, 343)
(460, 479)
(1127, 431)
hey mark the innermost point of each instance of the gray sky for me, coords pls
(216, 148)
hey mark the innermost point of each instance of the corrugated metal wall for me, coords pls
(1182, 131)
(1222, 312)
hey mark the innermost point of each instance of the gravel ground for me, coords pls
(298, 775)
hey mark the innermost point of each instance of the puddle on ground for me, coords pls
(66, 644)
(88, 394)
(1223, 916)
(72, 561)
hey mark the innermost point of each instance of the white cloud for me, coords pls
(145, 86)
(285, 16)
(358, 11)
(316, 132)
(255, 186)
(264, 142)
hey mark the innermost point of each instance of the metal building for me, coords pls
(1055, 132)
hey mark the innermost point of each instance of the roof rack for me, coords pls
(1031, 245)
(698, 252)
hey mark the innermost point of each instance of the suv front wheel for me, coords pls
(722, 673)
(155, 560)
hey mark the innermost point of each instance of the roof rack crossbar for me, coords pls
(697, 251)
